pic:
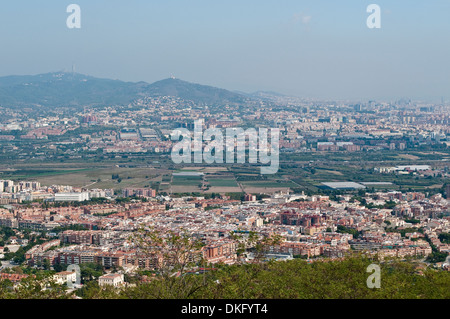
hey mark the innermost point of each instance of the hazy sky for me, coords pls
(314, 48)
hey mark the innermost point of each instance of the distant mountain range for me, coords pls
(77, 90)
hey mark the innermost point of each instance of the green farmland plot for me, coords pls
(186, 180)
(269, 183)
(222, 182)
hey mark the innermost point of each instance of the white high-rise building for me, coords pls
(4, 184)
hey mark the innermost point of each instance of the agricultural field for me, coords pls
(93, 177)
(268, 184)
(222, 182)
(186, 181)
(298, 172)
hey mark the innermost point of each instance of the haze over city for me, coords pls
(311, 49)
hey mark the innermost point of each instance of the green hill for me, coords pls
(62, 89)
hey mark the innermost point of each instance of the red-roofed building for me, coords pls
(15, 278)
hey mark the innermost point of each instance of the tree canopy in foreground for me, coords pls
(294, 279)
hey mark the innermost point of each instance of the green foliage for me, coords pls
(46, 264)
(6, 233)
(121, 200)
(90, 272)
(91, 290)
(211, 207)
(71, 227)
(412, 221)
(59, 267)
(444, 238)
(236, 196)
(297, 279)
(346, 230)
(19, 256)
(40, 286)
(293, 279)
(176, 254)
(300, 256)
(255, 243)
(436, 256)
(105, 214)
(404, 231)
(387, 205)
(92, 201)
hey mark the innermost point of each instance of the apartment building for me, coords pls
(71, 197)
